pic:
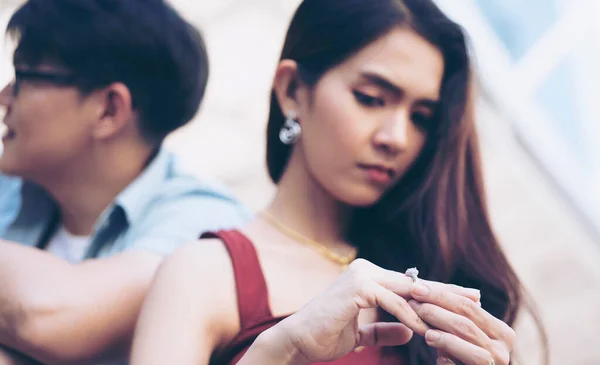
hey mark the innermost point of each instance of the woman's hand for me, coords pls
(327, 327)
(464, 332)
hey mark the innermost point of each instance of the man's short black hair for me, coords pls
(144, 44)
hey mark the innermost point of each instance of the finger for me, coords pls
(452, 323)
(444, 357)
(436, 287)
(461, 350)
(492, 326)
(384, 334)
(402, 285)
(398, 307)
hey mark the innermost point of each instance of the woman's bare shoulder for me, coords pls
(199, 257)
(201, 273)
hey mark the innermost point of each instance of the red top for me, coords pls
(255, 312)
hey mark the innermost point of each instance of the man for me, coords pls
(93, 203)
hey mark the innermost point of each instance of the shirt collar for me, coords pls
(36, 206)
(143, 190)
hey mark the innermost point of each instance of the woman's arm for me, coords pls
(189, 309)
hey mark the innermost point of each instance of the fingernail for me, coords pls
(432, 336)
(443, 361)
(479, 304)
(420, 289)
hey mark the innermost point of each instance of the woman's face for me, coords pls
(365, 122)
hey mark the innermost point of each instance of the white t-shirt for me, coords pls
(68, 246)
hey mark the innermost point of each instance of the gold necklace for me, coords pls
(344, 261)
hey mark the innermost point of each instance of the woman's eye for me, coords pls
(368, 100)
(422, 120)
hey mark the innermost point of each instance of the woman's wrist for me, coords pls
(273, 346)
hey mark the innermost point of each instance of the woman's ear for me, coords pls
(286, 85)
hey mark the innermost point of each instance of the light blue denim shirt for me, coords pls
(162, 209)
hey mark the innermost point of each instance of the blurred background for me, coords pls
(539, 114)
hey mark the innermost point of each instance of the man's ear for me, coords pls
(286, 86)
(115, 110)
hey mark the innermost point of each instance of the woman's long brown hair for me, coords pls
(436, 218)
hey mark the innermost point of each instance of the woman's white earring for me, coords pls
(290, 132)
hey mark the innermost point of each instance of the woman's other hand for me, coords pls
(464, 332)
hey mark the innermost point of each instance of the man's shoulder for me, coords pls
(181, 182)
(183, 196)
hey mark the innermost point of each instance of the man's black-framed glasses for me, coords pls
(51, 77)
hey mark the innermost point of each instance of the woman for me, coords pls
(371, 140)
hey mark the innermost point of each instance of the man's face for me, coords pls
(47, 122)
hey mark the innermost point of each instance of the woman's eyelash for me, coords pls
(368, 100)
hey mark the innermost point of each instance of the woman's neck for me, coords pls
(303, 206)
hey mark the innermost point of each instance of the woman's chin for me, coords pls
(363, 200)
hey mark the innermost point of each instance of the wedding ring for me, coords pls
(413, 273)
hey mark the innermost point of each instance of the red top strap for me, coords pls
(251, 287)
